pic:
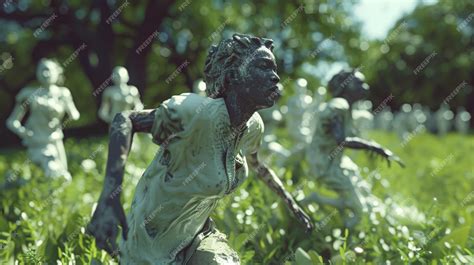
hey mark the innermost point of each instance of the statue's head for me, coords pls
(49, 72)
(349, 84)
(120, 75)
(243, 65)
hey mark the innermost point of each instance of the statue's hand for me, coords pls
(104, 223)
(304, 219)
(25, 133)
(389, 156)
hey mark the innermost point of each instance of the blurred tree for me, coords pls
(163, 44)
(426, 57)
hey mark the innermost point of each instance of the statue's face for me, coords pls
(120, 76)
(47, 73)
(259, 79)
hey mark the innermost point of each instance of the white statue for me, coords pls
(319, 98)
(362, 117)
(47, 106)
(417, 117)
(384, 119)
(444, 118)
(430, 123)
(272, 151)
(119, 97)
(401, 121)
(462, 120)
(299, 113)
(333, 133)
(410, 120)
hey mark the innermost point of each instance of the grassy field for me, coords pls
(428, 217)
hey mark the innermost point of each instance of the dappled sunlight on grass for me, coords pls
(427, 208)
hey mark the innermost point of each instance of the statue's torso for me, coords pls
(46, 113)
(200, 161)
(298, 117)
(122, 99)
(324, 150)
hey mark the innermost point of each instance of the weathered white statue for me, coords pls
(47, 105)
(334, 132)
(299, 113)
(119, 97)
(462, 120)
(362, 117)
(430, 122)
(384, 119)
(410, 120)
(272, 151)
(319, 97)
(417, 117)
(401, 121)
(444, 119)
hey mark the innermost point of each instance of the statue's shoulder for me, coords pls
(253, 134)
(335, 108)
(339, 104)
(186, 105)
(108, 91)
(134, 91)
(26, 93)
(256, 124)
(65, 92)
(185, 101)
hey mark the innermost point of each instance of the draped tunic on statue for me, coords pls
(201, 159)
(47, 110)
(327, 157)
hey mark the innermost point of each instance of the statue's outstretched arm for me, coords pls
(274, 183)
(371, 146)
(337, 129)
(138, 105)
(109, 213)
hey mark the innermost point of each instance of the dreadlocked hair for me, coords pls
(229, 58)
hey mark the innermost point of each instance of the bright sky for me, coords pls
(378, 16)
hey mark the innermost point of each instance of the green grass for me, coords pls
(43, 221)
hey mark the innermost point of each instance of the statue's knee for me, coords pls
(214, 250)
(214, 257)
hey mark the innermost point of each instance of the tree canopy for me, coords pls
(153, 39)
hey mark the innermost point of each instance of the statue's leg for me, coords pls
(61, 154)
(214, 250)
(334, 181)
(62, 158)
(47, 157)
(38, 154)
(352, 202)
(314, 197)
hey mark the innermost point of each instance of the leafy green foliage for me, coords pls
(176, 32)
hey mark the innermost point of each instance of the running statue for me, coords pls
(206, 145)
(47, 106)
